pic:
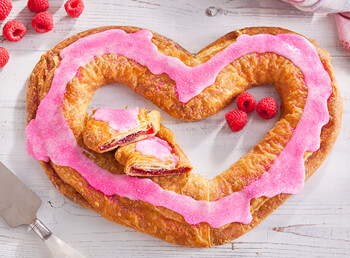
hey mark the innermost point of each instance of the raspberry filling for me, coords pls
(163, 171)
(128, 138)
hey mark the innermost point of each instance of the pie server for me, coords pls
(19, 205)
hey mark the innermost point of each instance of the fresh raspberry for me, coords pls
(246, 102)
(14, 30)
(5, 8)
(4, 57)
(74, 7)
(236, 119)
(267, 108)
(38, 6)
(42, 22)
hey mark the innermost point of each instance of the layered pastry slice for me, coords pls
(108, 128)
(155, 156)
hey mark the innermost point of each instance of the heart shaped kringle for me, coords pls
(185, 209)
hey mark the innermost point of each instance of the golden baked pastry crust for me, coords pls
(247, 71)
(98, 134)
(130, 158)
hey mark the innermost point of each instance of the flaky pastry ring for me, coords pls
(246, 71)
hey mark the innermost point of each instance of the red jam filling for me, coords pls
(159, 172)
(128, 138)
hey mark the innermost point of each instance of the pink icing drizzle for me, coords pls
(158, 148)
(49, 136)
(119, 120)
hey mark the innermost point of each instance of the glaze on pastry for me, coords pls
(155, 156)
(184, 209)
(107, 129)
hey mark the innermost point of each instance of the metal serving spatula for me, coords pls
(19, 205)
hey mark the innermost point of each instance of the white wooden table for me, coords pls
(315, 222)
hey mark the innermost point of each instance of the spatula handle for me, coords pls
(40, 229)
(57, 247)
